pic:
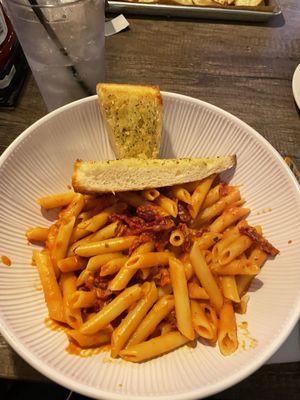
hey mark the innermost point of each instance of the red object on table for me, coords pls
(13, 66)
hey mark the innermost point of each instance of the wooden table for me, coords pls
(244, 68)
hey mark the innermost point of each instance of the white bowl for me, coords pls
(40, 162)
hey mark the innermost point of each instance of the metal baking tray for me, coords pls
(167, 10)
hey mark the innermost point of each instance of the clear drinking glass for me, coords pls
(63, 41)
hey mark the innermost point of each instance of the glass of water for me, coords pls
(63, 41)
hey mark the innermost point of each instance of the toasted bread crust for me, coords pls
(134, 174)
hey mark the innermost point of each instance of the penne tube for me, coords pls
(216, 209)
(150, 194)
(208, 239)
(180, 193)
(158, 312)
(112, 310)
(227, 336)
(236, 267)
(234, 249)
(177, 238)
(241, 307)
(229, 236)
(71, 264)
(72, 315)
(205, 277)
(229, 288)
(52, 293)
(97, 262)
(37, 234)
(96, 222)
(197, 292)
(105, 246)
(113, 266)
(205, 320)
(199, 195)
(144, 273)
(228, 218)
(86, 341)
(108, 232)
(74, 208)
(258, 257)
(154, 347)
(148, 260)
(188, 268)
(82, 299)
(56, 200)
(120, 281)
(182, 302)
(60, 247)
(130, 323)
(167, 204)
(212, 197)
(51, 236)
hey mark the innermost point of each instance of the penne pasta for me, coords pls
(167, 204)
(258, 257)
(188, 268)
(82, 299)
(97, 262)
(199, 195)
(205, 277)
(234, 249)
(212, 197)
(236, 267)
(86, 341)
(108, 232)
(148, 260)
(207, 240)
(105, 246)
(159, 311)
(229, 288)
(72, 315)
(150, 194)
(71, 264)
(112, 310)
(228, 218)
(122, 278)
(148, 271)
(129, 324)
(52, 293)
(74, 208)
(227, 336)
(216, 209)
(56, 200)
(180, 193)
(205, 320)
(113, 266)
(60, 247)
(96, 222)
(182, 302)
(37, 234)
(177, 238)
(154, 347)
(197, 292)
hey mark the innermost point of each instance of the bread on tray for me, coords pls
(136, 174)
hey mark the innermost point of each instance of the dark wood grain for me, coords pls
(243, 68)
